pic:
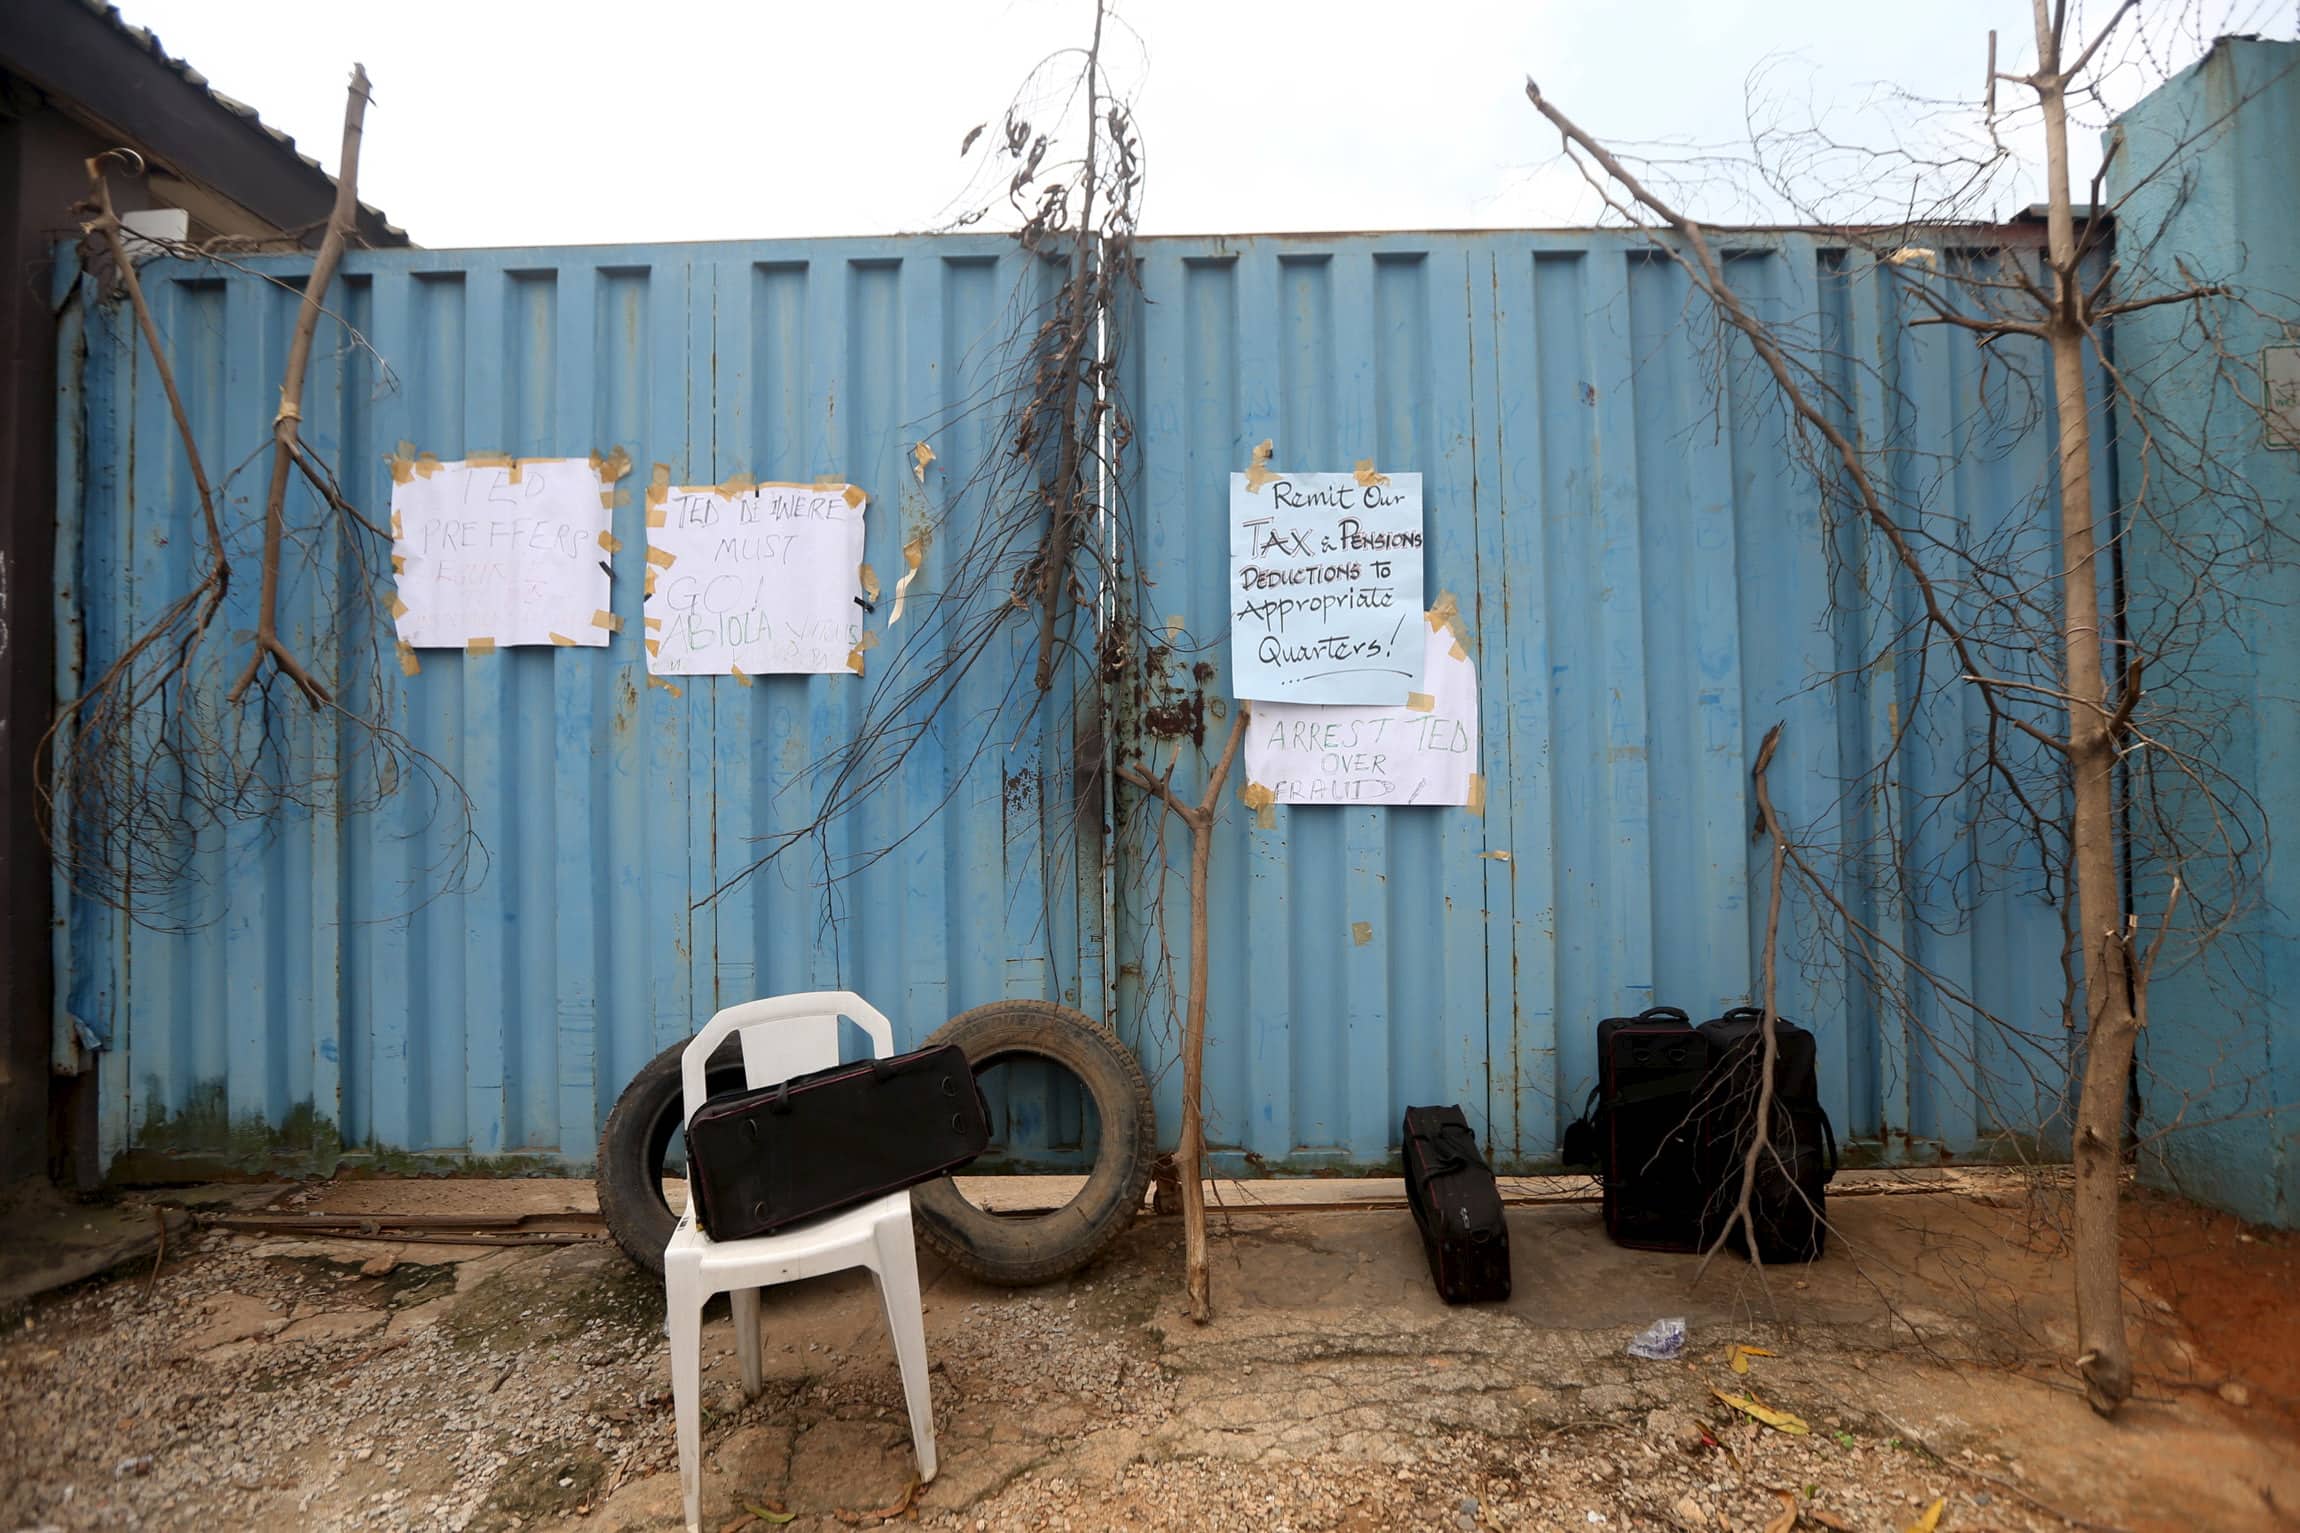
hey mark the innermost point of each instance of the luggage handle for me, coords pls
(893, 1065)
(1663, 1014)
(1449, 1157)
(882, 1070)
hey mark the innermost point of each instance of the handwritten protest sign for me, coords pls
(1423, 751)
(1326, 586)
(759, 579)
(500, 551)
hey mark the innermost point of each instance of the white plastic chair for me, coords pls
(783, 1036)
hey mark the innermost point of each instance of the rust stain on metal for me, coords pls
(1021, 790)
(1182, 718)
(1158, 697)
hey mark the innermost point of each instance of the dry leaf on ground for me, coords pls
(1779, 1421)
(1931, 1519)
(879, 1514)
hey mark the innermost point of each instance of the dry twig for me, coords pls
(1761, 1125)
(1190, 1153)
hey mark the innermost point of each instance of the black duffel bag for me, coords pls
(1788, 1202)
(1455, 1201)
(758, 1161)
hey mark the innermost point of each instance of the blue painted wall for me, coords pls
(326, 992)
(1648, 583)
(2220, 1062)
(1642, 565)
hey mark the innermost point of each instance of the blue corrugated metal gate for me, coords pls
(1640, 565)
(322, 993)
(1643, 567)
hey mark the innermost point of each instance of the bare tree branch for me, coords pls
(286, 425)
(1190, 1152)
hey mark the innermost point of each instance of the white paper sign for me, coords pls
(761, 579)
(500, 551)
(1326, 587)
(1422, 752)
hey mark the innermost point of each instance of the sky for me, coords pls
(499, 122)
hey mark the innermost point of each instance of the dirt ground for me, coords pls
(268, 1382)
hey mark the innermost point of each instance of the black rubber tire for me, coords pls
(1017, 1251)
(634, 1144)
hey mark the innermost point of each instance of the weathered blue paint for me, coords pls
(1640, 565)
(1644, 572)
(326, 991)
(2220, 1060)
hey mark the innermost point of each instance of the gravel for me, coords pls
(221, 1400)
(272, 1384)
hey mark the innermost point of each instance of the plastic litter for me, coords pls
(1663, 1341)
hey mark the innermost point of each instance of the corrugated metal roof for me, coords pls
(148, 42)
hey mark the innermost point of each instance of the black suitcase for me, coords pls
(1789, 1202)
(1452, 1193)
(760, 1160)
(1640, 1130)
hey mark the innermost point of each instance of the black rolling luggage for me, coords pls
(1639, 1129)
(1789, 1201)
(1452, 1193)
(760, 1160)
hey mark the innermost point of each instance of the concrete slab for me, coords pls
(544, 1196)
(53, 1242)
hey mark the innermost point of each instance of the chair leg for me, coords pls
(745, 1303)
(897, 1276)
(685, 1324)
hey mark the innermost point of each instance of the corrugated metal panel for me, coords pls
(1644, 569)
(1640, 561)
(322, 995)
(2219, 1064)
